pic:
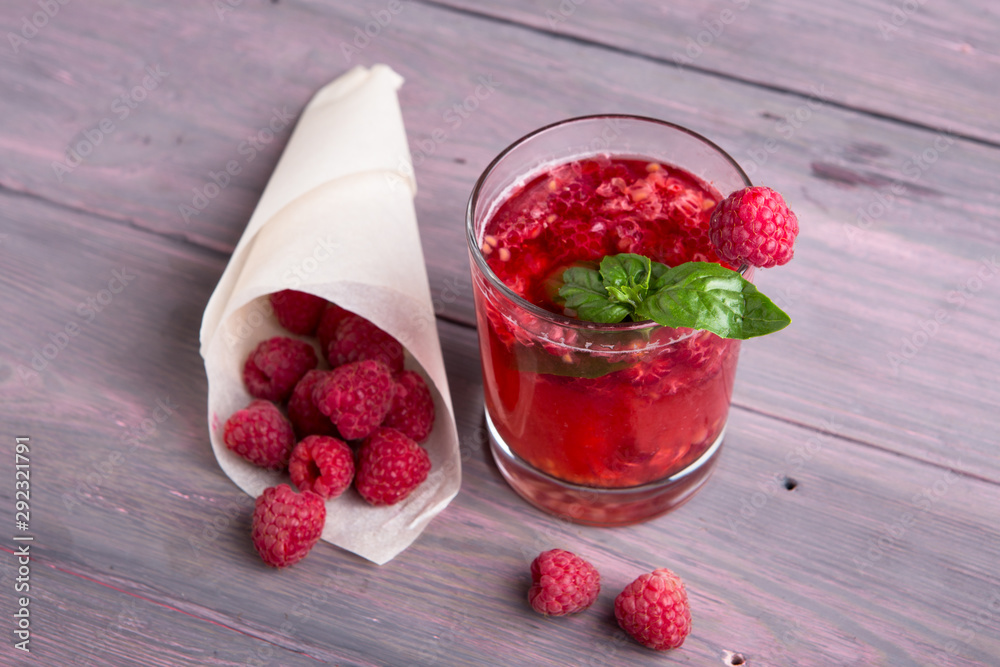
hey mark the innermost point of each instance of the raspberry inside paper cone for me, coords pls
(335, 225)
(358, 400)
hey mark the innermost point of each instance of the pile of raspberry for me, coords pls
(351, 416)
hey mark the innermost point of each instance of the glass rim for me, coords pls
(562, 320)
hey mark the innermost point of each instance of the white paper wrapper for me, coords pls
(337, 220)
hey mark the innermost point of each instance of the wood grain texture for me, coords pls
(927, 63)
(853, 565)
(839, 169)
(78, 621)
(884, 551)
(183, 120)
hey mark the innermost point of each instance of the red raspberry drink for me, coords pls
(606, 424)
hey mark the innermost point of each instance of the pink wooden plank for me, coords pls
(77, 621)
(883, 553)
(834, 165)
(922, 63)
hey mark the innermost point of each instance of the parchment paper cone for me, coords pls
(337, 220)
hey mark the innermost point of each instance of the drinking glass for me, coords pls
(602, 424)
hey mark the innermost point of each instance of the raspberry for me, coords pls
(705, 351)
(302, 411)
(260, 434)
(356, 397)
(286, 524)
(584, 239)
(754, 226)
(562, 583)
(390, 467)
(323, 465)
(275, 366)
(328, 324)
(653, 609)
(629, 235)
(298, 312)
(412, 407)
(357, 339)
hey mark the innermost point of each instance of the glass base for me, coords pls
(598, 506)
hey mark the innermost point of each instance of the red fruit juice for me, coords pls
(589, 407)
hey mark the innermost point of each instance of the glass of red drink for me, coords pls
(604, 424)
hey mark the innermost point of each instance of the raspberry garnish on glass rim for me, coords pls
(752, 226)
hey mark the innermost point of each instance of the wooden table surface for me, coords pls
(853, 517)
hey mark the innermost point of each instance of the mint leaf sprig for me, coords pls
(696, 295)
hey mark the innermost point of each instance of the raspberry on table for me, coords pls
(276, 365)
(562, 583)
(302, 411)
(298, 312)
(261, 434)
(412, 407)
(754, 226)
(654, 610)
(323, 465)
(390, 467)
(328, 324)
(286, 524)
(357, 339)
(356, 397)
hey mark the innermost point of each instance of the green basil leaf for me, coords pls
(584, 292)
(626, 277)
(707, 296)
(604, 312)
(656, 273)
(631, 296)
(626, 270)
(696, 295)
(582, 278)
